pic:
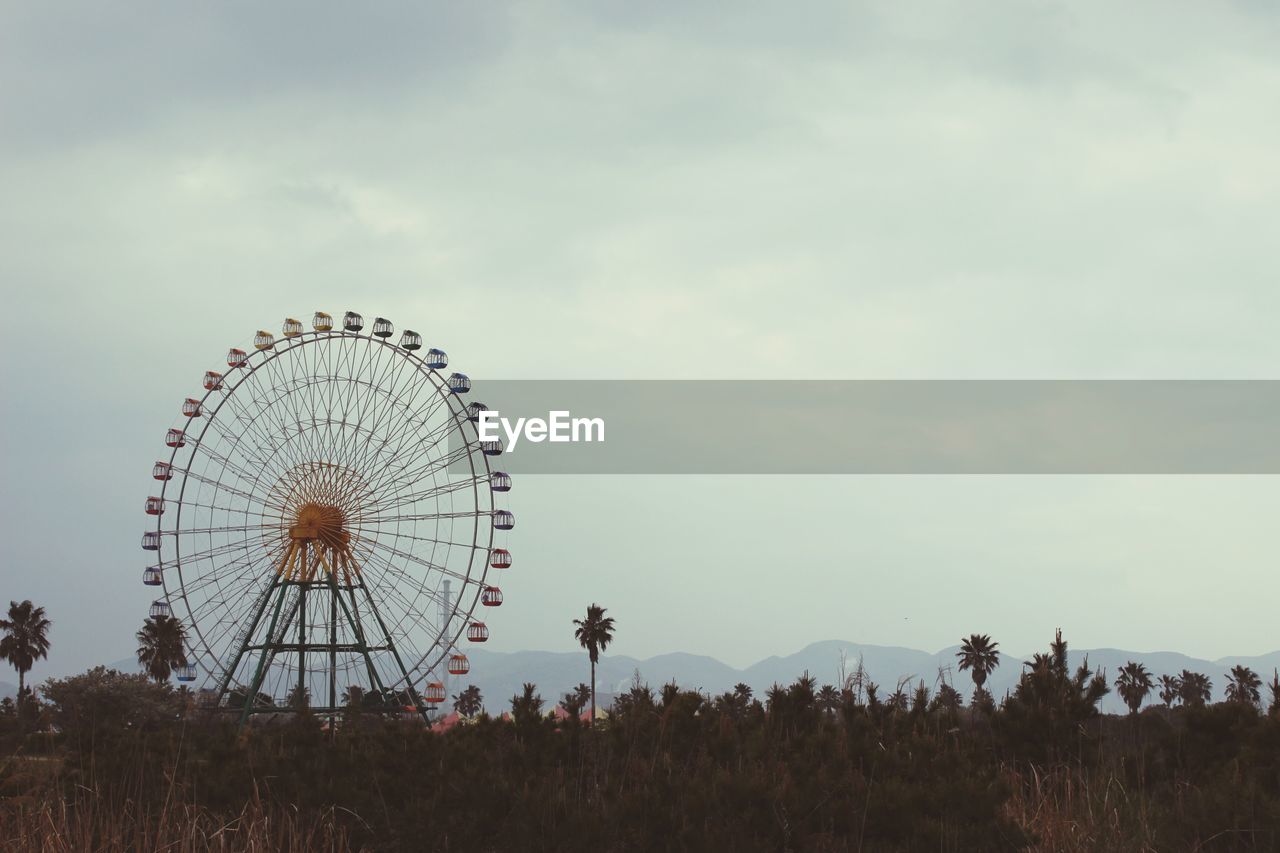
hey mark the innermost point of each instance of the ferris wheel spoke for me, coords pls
(189, 531)
(200, 478)
(412, 498)
(424, 563)
(209, 553)
(433, 465)
(441, 409)
(407, 414)
(199, 590)
(436, 516)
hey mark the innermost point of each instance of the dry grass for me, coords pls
(87, 823)
(1068, 810)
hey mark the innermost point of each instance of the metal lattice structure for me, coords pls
(328, 524)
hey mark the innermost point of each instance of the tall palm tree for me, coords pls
(980, 655)
(1195, 689)
(1170, 689)
(1134, 684)
(26, 640)
(594, 633)
(1244, 686)
(162, 646)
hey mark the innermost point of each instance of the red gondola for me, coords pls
(500, 558)
(155, 506)
(212, 380)
(477, 632)
(434, 693)
(491, 597)
(175, 438)
(236, 357)
(459, 665)
(162, 471)
(191, 408)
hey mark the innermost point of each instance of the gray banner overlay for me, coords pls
(897, 427)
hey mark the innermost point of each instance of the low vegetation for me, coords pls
(108, 761)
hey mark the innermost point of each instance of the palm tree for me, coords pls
(1170, 689)
(526, 706)
(1274, 686)
(298, 698)
(1244, 686)
(594, 633)
(828, 699)
(26, 640)
(163, 642)
(575, 700)
(1194, 689)
(469, 702)
(979, 654)
(1134, 684)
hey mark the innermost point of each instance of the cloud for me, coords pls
(956, 189)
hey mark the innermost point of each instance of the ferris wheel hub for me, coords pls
(323, 523)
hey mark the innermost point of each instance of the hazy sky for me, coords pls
(613, 189)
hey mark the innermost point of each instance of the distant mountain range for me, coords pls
(500, 675)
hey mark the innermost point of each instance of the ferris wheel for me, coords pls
(328, 527)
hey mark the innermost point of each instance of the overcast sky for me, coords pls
(625, 190)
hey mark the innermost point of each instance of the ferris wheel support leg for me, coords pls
(375, 683)
(333, 643)
(224, 683)
(266, 656)
(413, 693)
(302, 643)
